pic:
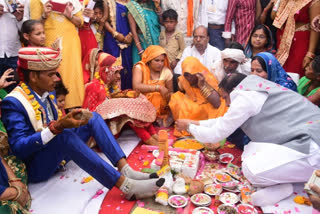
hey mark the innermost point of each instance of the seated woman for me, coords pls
(260, 40)
(153, 78)
(103, 95)
(309, 85)
(14, 195)
(267, 66)
(199, 98)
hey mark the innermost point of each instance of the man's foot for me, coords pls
(127, 171)
(138, 189)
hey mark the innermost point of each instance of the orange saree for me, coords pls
(155, 98)
(192, 104)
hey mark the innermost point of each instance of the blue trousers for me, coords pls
(5, 64)
(71, 144)
(216, 39)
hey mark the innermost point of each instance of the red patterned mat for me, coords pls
(114, 202)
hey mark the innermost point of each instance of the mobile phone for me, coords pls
(58, 7)
(12, 5)
(314, 179)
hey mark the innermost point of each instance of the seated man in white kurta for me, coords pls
(201, 49)
(283, 127)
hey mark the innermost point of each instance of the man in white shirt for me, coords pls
(201, 49)
(284, 147)
(10, 22)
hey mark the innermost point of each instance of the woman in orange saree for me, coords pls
(153, 78)
(118, 108)
(194, 101)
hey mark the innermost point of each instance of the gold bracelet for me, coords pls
(157, 88)
(205, 91)
(14, 179)
(115, 34)
(310, 55)
(19, 190)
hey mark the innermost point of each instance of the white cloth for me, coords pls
(244, 67)
(64, 193)
(9, 35)
(210, 55)
(244, 104)
(285, 166)
(181, 7)
(214, 12)
(235, 54)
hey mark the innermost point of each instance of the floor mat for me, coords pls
(64, 193)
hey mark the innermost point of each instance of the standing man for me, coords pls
(10, 22)
(242, 12)
(213, 13)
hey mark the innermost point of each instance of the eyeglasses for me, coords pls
(259, 36)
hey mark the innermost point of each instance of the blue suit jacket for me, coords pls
(23, 139)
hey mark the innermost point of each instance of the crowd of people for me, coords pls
(212, 69)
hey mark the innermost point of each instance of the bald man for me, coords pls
(200, 49)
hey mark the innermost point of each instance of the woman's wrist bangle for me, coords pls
(19, 192)
(115, 34)
(14, 180)
(157, 88)
(310, 55)
(140, 51)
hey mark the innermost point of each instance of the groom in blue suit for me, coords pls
(42, 138)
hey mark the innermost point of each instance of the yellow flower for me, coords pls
(27, 91)
(30, 97)
(51, 96)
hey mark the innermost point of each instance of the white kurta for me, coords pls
(263, 163)
(210, 55)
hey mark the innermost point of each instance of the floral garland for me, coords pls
(38, 109)
(115, 88)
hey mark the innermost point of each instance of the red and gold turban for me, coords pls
(39, 58)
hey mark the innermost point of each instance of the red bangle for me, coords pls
(53, 129)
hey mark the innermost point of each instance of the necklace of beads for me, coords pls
(38, 109)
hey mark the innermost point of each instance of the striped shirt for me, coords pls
(243, 13)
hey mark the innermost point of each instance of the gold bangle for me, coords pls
(19, 190)
(310, 55)
(157, 88)
(115, 34)
(14, 179)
